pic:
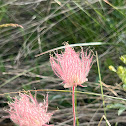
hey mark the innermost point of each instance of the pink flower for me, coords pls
(71, 67)
(26, 111)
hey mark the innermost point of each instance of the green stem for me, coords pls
(101, 84)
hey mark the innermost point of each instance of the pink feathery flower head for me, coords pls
(26, 111)
(71, 67)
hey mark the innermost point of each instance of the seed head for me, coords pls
(71, 67)
(26, 111)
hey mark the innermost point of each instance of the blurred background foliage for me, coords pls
(47, 24)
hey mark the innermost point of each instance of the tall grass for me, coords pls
(47, 24)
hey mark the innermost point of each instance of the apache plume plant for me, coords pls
(26, 111)
(72, 68)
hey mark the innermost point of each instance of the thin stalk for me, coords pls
(73, 104)
(64, 91)
(101, 84)
(77, 121)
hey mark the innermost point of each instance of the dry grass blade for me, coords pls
(72, 45)
(105, 120)
(12, 25)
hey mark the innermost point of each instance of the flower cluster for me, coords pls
(26, 111)
(71, 67)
